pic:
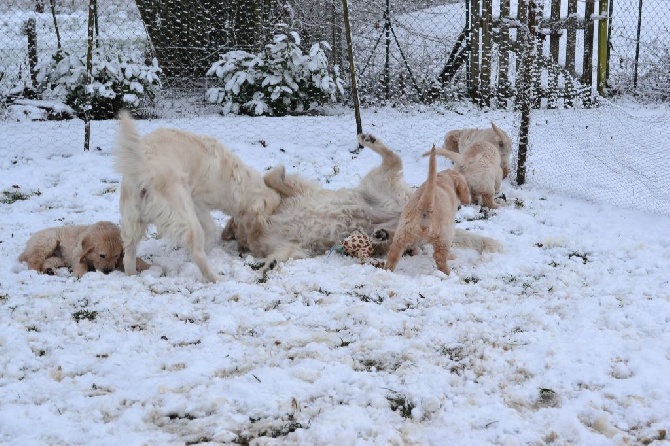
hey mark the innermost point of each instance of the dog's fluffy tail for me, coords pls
(129, 158)
(427, 202)
(466, 239)
(455, 157)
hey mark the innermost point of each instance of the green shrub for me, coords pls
(277, 81)
(118, 81)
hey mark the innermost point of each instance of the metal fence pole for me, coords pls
(603, 45)
(637, 45)
(89, 77)
(352, 68)
(525, 95)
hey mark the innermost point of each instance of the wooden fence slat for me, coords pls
(522, 17)
(487, 46)
(475, 26)
(554, 79)
(571, 43)
(554, 49)
(587, 74)
(504, 50)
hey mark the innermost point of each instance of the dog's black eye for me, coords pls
(102, 256)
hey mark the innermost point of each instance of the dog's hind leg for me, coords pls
(185, 222)
(441, 255)
(132, 227)
(391, 161)
(39, 248)
(52, 264)
(195, 241)
(401, 241)
(281, 254)
(487, 200)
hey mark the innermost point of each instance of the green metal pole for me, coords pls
(603, 45)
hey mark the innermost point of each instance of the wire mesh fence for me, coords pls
(174, 59)
(150, 54)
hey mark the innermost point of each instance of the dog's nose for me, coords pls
(106, 271)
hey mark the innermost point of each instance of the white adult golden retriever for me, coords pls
(83, 248)
(312, 219)
(173, 179)
(459, 140)
(429, 215)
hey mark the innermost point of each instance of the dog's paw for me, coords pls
(269, 265)
(381, 235)
(366, 138)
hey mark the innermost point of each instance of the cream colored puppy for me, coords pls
(480, 165)
(174, 179)
(429, 216)
(95, 247)
(459, 140)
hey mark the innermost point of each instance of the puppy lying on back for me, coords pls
(480, 165)
(429, 215)
(95, 247)
(459, 140)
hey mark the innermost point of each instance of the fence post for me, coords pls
(524, 94)
(89, 69)
(387, 54)
(352, 68)
(603, 44)
(637, 44)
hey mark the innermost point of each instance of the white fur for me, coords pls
(173, 179)
(312, 219)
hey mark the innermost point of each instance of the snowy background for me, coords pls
(563, 338)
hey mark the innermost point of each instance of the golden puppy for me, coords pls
(480, 165)
(459, 140)
(95, 247)
(429, 215)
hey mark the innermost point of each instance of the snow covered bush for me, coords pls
(277, 81)
(118, 81)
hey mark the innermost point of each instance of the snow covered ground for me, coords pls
(563, 338)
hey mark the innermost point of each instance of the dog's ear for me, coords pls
(119, 262)
(462, 189)
(84, 248)
(451, 140)
(498, 130)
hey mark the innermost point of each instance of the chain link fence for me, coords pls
(174, 59)
(405, 51)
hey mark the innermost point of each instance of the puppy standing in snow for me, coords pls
(173, 179)
(83, 248)
(480, 165)
(459, 140)
(429, 215)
